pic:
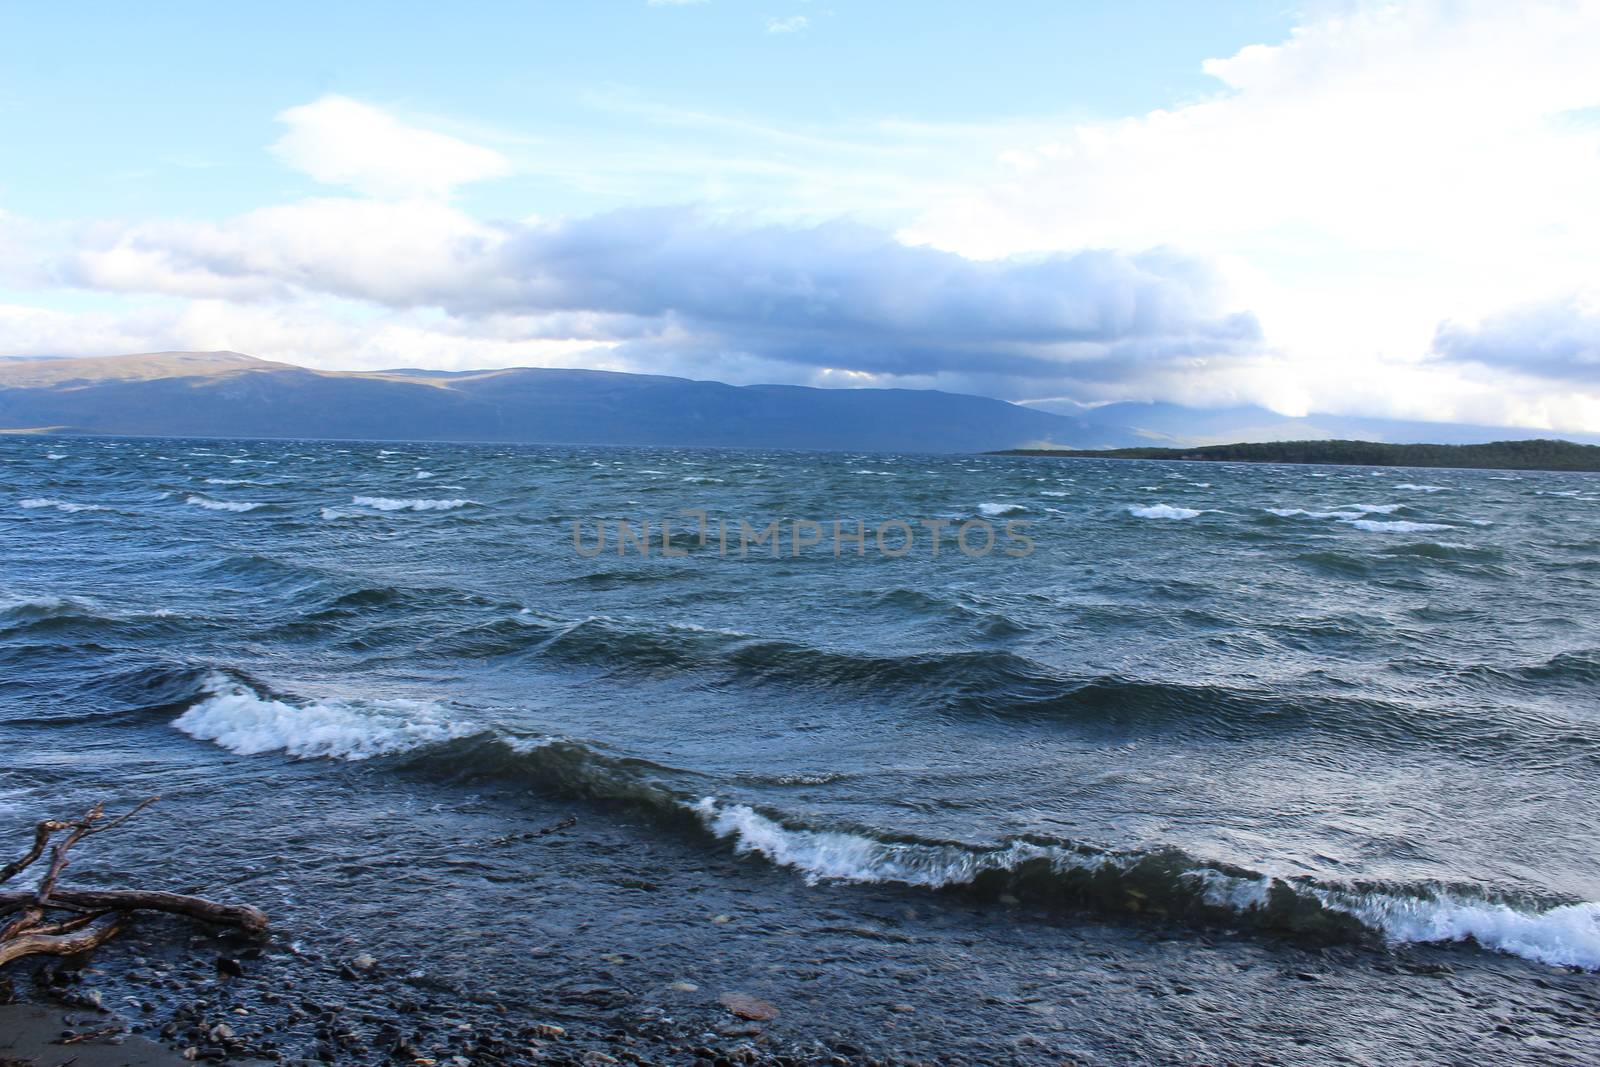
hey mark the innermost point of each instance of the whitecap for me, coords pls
(994, 510)
(60, 505)
(384, 503)
(1424, 488)
(243, 721)
(1161, 511)
(1397, 526)
(237, 506)
(1567, 935)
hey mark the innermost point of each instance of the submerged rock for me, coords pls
(747, 1007)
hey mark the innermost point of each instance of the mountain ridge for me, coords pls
(230, 394)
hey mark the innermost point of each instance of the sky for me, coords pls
(1354, 208)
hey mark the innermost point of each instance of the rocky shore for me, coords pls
(220, 998)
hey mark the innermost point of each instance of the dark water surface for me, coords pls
(1249, 763)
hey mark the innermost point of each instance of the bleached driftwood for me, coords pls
(54, 920)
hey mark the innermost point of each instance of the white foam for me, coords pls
(1566, 936)
(423, 476)
(1289, 513)
(46, 604)
(60, 505)
(1424, 488)
(1398, 526)
(242, 721)
(385, 503)
(832, 855)
(1054, 492)
(993, 510)
(231, 481)
(54, 455)
(1161, 511)
(237, 506)
(1344, 513)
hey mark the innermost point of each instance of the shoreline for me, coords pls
(1570, 458)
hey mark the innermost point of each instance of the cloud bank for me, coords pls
(1389, 212)
(835, 297)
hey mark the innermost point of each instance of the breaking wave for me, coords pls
(237, 506)
(59, 505)
(243, 721)
(1162, 511)
(1162, 883)
(385, 503)
(1398, 526)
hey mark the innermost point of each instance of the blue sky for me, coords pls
(1340, 206)
(167, 108)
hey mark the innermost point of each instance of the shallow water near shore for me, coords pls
(1241, 762)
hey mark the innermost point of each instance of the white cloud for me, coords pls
(791, 24)
(340, 141)
(1387, 167)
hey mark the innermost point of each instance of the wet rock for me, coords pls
(229, 967)
(748, 1007)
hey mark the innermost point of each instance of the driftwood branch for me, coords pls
(51, 919)
(36, 944)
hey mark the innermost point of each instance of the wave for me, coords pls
(1343, 513)
(236, 506)
(385, 503)
(241, 720)
(1302, 513)
(1162, 511)
(995, 510)
(1424, 488)
(60, 505)
(1398, 526)
(992, 683)
(1168, 884)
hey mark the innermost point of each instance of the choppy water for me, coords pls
(1296, 706)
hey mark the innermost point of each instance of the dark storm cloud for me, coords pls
(673, 284)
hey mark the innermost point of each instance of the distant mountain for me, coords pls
(226, 394)
(1173, 425)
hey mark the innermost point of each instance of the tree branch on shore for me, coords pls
(57, 921)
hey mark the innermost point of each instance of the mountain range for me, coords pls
(227, 394)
